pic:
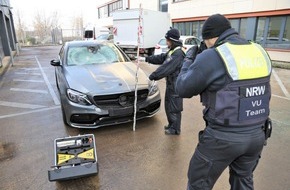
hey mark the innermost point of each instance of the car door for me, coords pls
(59, 72)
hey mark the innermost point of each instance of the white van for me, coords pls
(92, 32)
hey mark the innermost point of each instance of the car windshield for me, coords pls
(103, 37)
(96, 54)
(162, 42)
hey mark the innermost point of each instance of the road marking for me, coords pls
(281, 84)
(20, 105)
(23, 73)
(34, 68)
(29, 112)
(280, 97)
(20, 80)
(28, 90)
(51, 91)
(30, 69)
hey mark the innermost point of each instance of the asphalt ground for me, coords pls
(30, 120)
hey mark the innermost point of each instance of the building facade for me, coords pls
(266, 22)
(7, 30)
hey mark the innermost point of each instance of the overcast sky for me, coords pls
(67, 9)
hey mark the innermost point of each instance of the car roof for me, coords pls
(184, 37)
(85, 43)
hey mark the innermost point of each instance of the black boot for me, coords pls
(172, 131)
(166, 127)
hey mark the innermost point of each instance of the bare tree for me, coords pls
(78, 25)
(55, 20)
(43, 25)
(21, 28)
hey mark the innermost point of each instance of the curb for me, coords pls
(5, 65)
(6, 62)
(281, 64)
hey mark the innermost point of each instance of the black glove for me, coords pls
(202, 47)
(151, 77)
(191, 53)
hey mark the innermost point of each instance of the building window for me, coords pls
(235, 23)
(103, 11)
(118, 5)
(200, 29)
(277, 33)
(187, 28)
(286, 34)
(179, 26)
(107, 10)
(274, 27)
(260, 30)
(270, 32)
(195, 29)
(243, 27)
(163, 5)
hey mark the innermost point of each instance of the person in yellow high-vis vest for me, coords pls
(170, 64)
(232, 77)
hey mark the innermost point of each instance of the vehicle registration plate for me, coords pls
(121, 111)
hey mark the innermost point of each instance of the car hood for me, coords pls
(105, 78)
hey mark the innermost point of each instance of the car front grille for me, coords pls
(120, 100)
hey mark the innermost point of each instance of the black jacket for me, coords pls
(169, 65)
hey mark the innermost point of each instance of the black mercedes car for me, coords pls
(96, 83)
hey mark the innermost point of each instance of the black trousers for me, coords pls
(217, 150)
(173, 107)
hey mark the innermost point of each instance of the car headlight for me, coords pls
(78, 97)
(153, 88)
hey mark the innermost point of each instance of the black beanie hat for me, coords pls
(172, 34)
(214, 26)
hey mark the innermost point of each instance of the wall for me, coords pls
(7, 30)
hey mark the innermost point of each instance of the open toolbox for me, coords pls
(74, 157)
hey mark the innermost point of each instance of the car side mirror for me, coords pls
(55, 62)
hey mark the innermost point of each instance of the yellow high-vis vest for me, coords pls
(249, 61)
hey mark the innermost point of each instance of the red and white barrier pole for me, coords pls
(137, 70)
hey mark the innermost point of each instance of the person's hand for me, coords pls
(202, 47)
(141, 59)
(191, 53)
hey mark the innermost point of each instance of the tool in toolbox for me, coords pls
(74, 157)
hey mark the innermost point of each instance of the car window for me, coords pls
(89, 34)
(103, 37)
(97, 54)
(197, 41)
(162, 42)
(190, 41)
(61, 53)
